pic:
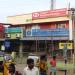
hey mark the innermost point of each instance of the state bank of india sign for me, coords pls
(50, 13)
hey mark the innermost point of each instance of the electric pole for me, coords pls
(52, 4)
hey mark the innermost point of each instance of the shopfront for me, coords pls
(45, 30)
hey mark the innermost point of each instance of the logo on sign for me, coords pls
(35, 15)
(50, 13)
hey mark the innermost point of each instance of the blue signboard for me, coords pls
(50, 32)
(7, 43)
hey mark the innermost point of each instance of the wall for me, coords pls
(20, 19)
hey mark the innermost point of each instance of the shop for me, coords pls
(45, 30)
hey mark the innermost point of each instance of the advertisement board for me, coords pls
(69, 45)
(13, 30)
(50, 13)
(7, 43)
(1, 28)
(50, 32)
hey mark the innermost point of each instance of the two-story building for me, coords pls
(46, 31)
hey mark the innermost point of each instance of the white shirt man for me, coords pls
(33, 71)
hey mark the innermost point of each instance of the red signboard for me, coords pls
(1, 27)
(50, 13)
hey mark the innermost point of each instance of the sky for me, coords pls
(17, 7)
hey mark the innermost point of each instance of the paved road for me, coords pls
(20, 68)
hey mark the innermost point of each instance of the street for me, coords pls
(20, 68)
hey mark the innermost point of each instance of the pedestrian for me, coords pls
(53, 65)
(30, 69)
(1, 66)
(43, 65)
(12, 70)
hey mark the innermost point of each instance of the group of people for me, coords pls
(31, 69)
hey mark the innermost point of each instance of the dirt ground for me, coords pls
(20, 68)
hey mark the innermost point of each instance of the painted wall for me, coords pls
(51, 19)
(40, 17)
(53, 24)
(20, 19)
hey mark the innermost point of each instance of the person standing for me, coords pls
(53, 65)
(12, 70)
(43, 65)
(30, 69)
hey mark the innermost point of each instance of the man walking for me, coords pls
(30, 69)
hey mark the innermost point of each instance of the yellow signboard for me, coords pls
(69, 45)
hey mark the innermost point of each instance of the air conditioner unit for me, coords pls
(18, 35)
(8, 36)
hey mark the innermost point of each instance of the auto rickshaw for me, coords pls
(5, 60)
(1, 63)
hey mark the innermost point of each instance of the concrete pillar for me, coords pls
(70, 29)
(20, 49)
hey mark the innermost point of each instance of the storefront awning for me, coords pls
(45, 38)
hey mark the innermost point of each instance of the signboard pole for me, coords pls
(65, 57)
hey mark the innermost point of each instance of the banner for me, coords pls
(69, 45)
(50, 13)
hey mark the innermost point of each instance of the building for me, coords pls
(2, 34)
(45, 31)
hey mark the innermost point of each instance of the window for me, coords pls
(61, 25)
(8, 35)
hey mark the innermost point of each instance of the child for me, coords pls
(12, 70)
(53, 65)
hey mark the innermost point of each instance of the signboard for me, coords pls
(69, 45)
(2, 47)
(1, 27)
(50, 32)
(13, 30)
(7, 43)
(50, 13)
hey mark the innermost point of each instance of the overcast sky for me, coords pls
(15, 7)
